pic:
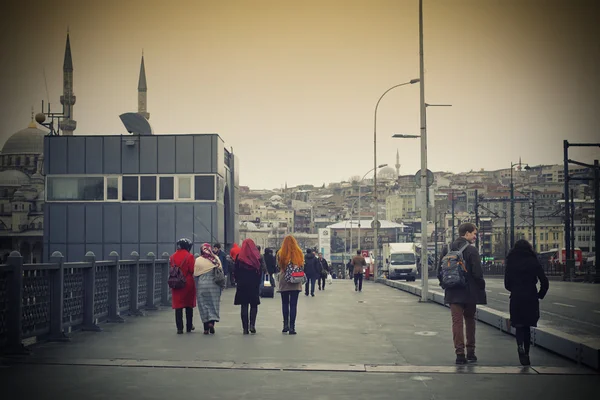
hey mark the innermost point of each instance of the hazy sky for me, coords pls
(292, 85)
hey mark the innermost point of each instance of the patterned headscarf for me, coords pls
(208, 253)
(290, 252)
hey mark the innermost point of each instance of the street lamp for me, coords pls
(376, 220)
(359, 186)
(512, 201)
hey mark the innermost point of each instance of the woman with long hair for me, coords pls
(523, 270)
(247, 274)
(290, 255)
(207, 291)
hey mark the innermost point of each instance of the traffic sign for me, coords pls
(430, 178)
(378, 224)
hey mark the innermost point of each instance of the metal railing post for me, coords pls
(113, 289)
(164, 290)
(151, 282)
(15, 305)
(134, 285)
(89, 292)
(57, 294)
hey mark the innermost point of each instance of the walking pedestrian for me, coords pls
(324, 271)
(523, 270)
(186, 296)
(208, 292)
(223, 258)
(463, 299)
(289, 256)
(247, 273)
(271, 265)
(311, 270)
(359, 263)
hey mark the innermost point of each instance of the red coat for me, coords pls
(185, 297)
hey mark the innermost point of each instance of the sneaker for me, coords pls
(471, 357)
(461, 359)
(523, 357)
(356, 288)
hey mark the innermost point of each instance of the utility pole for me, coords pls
(453, 234)
(533, 219)
(477, 217)
(568, 254)
(597, 215)
(512, 208)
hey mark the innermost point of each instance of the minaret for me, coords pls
(397, 164)
(68, 124)
(142, 89)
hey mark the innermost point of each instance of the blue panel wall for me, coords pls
(130, 156)
(219, 150)
(166, 223)
(148, 223)
(111, 154)
(184, 154)
(127, 249)
(184, 221)
(112, 223)
(166, 155)
(130, 223)
(93, 156)
(57, 155)
(148, 155)
(203, 222)
(93, 223)
(76, 223)
(203, 154)
(96, 249)
(56, 218)
(75, 252)
(76, 155)
(148, 248)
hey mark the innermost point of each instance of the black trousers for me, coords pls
(358, 278)
(322, 279)
(189, 315)
(289, 307)
(251, 319)
(311, 282)
(523, 335)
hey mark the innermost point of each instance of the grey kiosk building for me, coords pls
(138, 193)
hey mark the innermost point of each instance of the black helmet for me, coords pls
(184, 244)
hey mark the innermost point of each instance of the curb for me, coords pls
(580, 350)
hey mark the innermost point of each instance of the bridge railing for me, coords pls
(49, 300)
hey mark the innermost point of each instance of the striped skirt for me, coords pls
(208, 294)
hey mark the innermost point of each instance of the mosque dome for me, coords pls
(276, 198)
(387, 173)
(13, 177)
(26, 141)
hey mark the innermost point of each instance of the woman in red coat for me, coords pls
(186, 296)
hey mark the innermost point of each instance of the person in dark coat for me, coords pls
(523, 270)
(463, 300)
(223, 258)
(186, 296)
(248, 272)
(324, 271)
(271, 263)
(311, 270)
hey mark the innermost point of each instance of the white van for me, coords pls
(400, 260)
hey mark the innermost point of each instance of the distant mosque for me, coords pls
(22, 194)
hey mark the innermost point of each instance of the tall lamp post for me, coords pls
(375, 197)
(359, 185)
(512, 202)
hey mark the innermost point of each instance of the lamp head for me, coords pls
(413, 81)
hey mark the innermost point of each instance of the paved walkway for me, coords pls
(379, 343)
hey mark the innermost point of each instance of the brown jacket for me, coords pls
(359, 263)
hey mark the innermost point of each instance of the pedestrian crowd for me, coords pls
(200, 281)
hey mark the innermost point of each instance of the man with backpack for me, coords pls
(461, 276)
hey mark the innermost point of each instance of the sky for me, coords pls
(292, 86)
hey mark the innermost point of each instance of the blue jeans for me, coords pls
(311, 281)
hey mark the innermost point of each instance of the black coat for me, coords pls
(474, 292)
(312, 266)
(247, 284)
(520, 278)
(324, 267)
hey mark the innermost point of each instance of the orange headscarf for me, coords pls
(235, 250)
(290, 252)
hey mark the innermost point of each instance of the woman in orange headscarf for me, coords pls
(290, 256)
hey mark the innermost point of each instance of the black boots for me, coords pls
(461, 359)
(253, 313)
(286, 327)
(245, 323)
(523, 356)
(292, 329)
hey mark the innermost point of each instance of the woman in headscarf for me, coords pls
(247, 272)
(184, 297)
(289, 255)
(523, 270)
(207, 291)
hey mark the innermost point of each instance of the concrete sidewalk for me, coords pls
(377, 343)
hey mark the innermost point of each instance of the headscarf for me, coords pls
(235, 250)
(290, 252)
(250, 255)
(207, 253)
